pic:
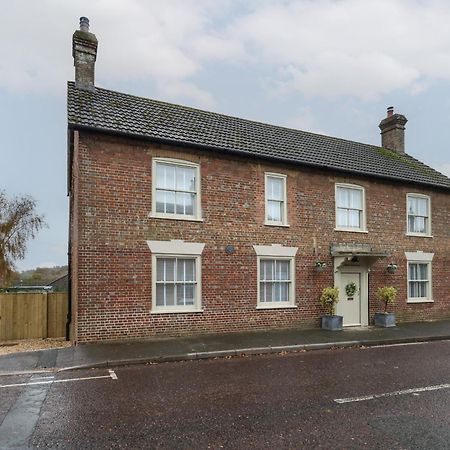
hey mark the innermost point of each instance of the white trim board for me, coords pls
(275, 250)
(176, 247)
(419, 256)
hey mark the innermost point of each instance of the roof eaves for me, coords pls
(146, 137)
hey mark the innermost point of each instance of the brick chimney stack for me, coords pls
(84, 52)
(393, 131)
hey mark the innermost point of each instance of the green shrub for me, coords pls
(387, 295)
(329, 298)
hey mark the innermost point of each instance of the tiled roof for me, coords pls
(141, 117)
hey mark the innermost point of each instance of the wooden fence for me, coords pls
(31, 316)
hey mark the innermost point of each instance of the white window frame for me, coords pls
(177, 162)
(283, 178)
(177, 249)
(363, 225)
(428, 231)
(420, 258)
(276, 252)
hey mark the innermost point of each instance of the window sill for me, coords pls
(153, 215)
(419, 235)
(419, 300)
(350, 230)
(270, 224)
(276, 306)
(175, 311)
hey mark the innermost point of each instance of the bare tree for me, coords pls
(19, 222)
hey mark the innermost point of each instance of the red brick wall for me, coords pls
(114, 261)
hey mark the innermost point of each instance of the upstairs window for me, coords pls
(350, 208)
(276, 213)
(418, 215)
(176, 189)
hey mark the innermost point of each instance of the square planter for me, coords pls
(332, 323)
(385, 320)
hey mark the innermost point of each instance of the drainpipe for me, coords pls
(69, 296)
(69, 250)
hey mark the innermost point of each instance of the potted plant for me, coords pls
(387, 295)
(320, 266)
(328, 299)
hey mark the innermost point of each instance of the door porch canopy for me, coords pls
(355, 255)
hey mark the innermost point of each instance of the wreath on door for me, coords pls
(350, 289)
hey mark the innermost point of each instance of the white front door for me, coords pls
(349, 306)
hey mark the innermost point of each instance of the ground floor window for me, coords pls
(276, 276)
(419, 277)
(176, 276)
(275, 281)
(418, 281)
(176, 282)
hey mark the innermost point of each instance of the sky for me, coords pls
(326, 66)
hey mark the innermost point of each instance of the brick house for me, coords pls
(184, 221)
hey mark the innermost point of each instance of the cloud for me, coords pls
(325, 48)
(355, 48)
(371, 75)
(138, 41)
(303, 120)
(185, 90)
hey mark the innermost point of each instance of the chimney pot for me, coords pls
(84, 24)
(393, 131)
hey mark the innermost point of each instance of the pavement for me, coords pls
(159, 350)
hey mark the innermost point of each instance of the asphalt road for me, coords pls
(335, 399)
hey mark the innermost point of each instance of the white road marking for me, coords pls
(392, 394)
(401, 344)
(111, 375)
(26, 372)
